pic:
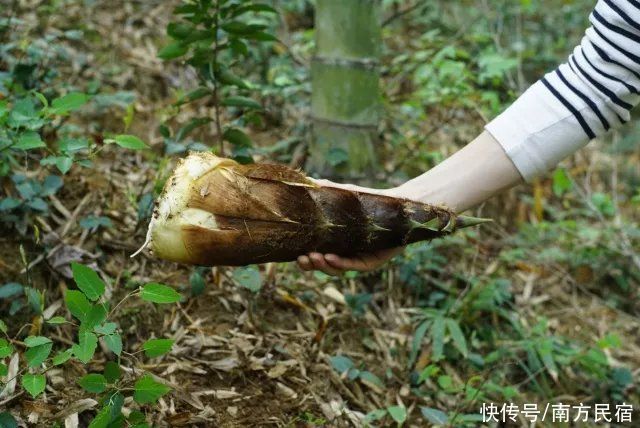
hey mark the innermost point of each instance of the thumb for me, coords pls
(346, 186)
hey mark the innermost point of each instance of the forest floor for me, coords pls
(242, 360)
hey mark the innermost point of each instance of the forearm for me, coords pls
(469, 177)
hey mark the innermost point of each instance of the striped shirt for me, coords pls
(592, 92)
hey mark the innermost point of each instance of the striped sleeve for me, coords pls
(592, 92)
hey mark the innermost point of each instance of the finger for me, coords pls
(363, 263)
(356, 263)
(390, 253)
(304, 263)
(322, 181)
(346, 186)
(321, 264)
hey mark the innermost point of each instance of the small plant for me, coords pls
(38, 144)
(25, 124)
(93, 321)
(347, 368)
(213, 36)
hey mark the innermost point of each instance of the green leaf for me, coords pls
(68, 103)
(113, 342)
(97, 315)
(190, 126)
(7, 204)
(238, 101)
(622, 377)
(35, 299)
(10, 289)
(561, 182)
(33, 341)
(445, 382)
(248, 277)
(398, 413)
(136, 417)
(37, 204)
(93, 382)
(237, 137)
(56, 320)
(173, 50)
(371, 379)
(42, 98)
(156, 347)
(51, 185)
(4, 370)
(102, 419)
(7, 420)
(86, 346)
(459, 340)
(375, 415)
(111, 371)
(62, 357)
(93, 222)
(435, 416)
(197, 282)
(106, 328)
(238, 47)
(611, 340)
(416, 343)
(3, 327)
(36, 355)
(437, 337)
(146, 390)
(545, 349)
(603, 203)
(72, 145)
(228, 78)
(88, 281)
(63, 163)
(179, 30)
(158, 293)
(341, 364)
(5, 348)
(116, 401)
(194, 95)
(24, 114)
(29, 140)
(238, 27)
(128, 142)
(428, 372)
(77, 304)
(34, 384)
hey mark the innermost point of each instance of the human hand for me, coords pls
(332, 264)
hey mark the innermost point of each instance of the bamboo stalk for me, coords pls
(345, 102)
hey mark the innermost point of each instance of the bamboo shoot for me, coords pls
(214, 211)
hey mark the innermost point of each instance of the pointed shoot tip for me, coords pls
(468, 221)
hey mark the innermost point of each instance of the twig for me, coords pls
(74, 215)
(113, 311)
